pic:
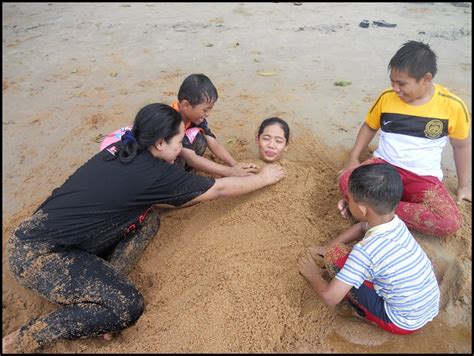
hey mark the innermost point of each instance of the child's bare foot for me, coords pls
(8, 342)
(343, 209)
(108, 336)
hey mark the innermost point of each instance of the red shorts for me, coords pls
(426, 205)
(365, 301)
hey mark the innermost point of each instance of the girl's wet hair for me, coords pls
(275, 121)
(378, 185)
(416, 58)
(153, 122)
(197, 89)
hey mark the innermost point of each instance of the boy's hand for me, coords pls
(242, 170)
(343, 208)
(247, 168)
(317, 250)
(464, 193)
(307, 267)
(247, 165)
(351, 163)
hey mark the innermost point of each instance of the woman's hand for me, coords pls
(272, 173)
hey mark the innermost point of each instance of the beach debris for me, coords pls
(342, 83)
(383, 23)
(461, 4)
(364, 24)
(99, 138)
(266, 74)
(113, 74)
(208, 44)
(74, 71)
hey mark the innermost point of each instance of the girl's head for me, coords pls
(197, 96)
(272, 139)
(157, 128)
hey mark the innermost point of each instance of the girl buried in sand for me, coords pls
(272, 139)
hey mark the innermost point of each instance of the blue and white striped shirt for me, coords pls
(390, 258)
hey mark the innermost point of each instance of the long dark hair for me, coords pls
(152, 122)
(272, 121)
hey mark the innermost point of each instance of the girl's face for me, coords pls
(272, 143)
(169, 151)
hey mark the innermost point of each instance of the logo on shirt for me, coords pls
(433, 129)
(113, 150)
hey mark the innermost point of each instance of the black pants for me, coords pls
(94, 294)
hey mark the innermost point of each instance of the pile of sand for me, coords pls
(222, 276)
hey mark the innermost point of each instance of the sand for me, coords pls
(222, 276)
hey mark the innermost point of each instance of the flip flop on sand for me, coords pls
(383, 23)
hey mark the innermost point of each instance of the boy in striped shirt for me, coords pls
(387, 278)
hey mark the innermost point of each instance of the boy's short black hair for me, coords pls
(378, 185)
(197, 89)
(416, 58)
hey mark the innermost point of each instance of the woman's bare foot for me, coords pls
(343, 209)
(108, 336)
(8, 342)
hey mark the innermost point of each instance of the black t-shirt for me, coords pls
(98, 202)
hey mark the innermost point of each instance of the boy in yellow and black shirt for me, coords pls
(417, 118)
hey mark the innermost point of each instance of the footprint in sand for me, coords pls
(455, 284)
(358, 331)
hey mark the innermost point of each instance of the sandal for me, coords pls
(364, 24)
(383, 23)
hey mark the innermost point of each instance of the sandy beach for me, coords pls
(221, 277)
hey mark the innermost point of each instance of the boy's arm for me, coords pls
(364, 137)
(331, 293)
(219, 151)
(205, 165)
(355, 232)
(462, 160)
